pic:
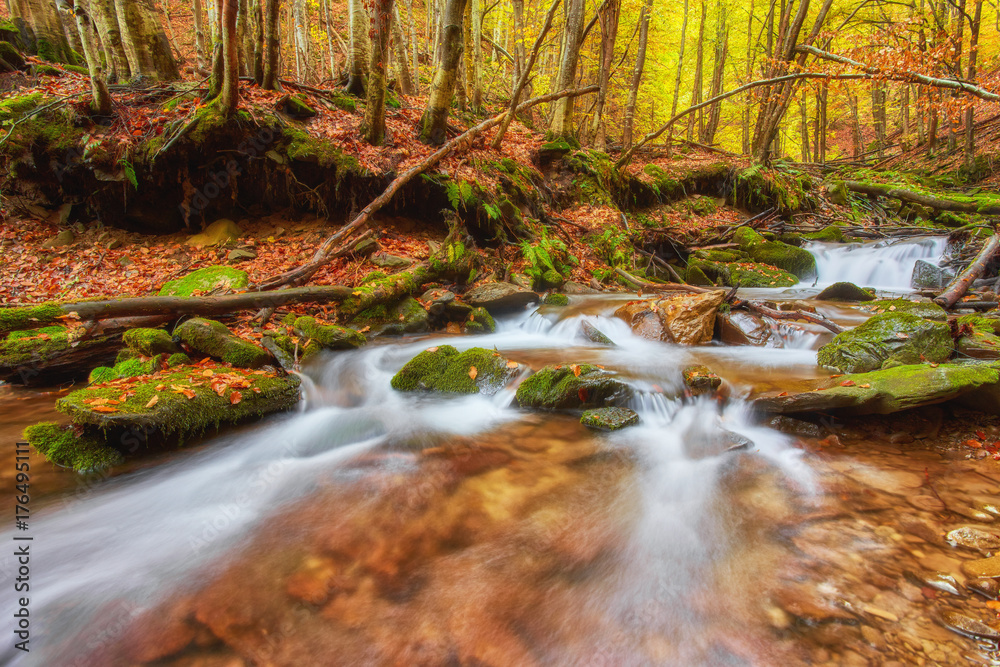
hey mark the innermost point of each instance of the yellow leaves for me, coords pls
(900, 334)
(865, 386)
(432, 349)
(208, 373)
(473, 372)
(152, 401)
(160, 387)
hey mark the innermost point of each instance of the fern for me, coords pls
(129, 172)
(454, 194)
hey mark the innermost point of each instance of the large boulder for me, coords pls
(688, 319)
(979, 337)
(572, 387)
(929, 276)
(445, 370)
(500, 297)
(66, 448)
(886, 340)
(737, 273)
(206, 280)
(330, 336)
(402, 317)
(926, 308)
(789, 258)
(738, 327)
(217, 341)
(892, 390)
(699, 380)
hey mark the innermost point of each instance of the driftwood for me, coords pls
(647, 286)
(323, 254)
(761, 309)
(960, 285)
(938, 203)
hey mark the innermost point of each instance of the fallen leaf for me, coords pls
(974, 444)
(576, 369)
(235, 398)
(900, 334)
(208, 373)
(847, 383)
(190, 394)
(582, 393)
(784, 393)
(473, 372)
(432, 349)
(865, 386)
(512, 364)
(152, 401)
(104, 408)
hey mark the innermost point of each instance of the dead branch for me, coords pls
(960, 285)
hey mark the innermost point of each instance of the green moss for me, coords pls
(556, 299)
(173, 412)
(559, 145)
(609, 419)
(15, 107)
(205, 280)
(330, 336)
(214, 339)
(571, 387)
(304, 147)
(298, 105)
(101, 374)
(830, 234)
(11, 55)
(925, 309)
(37, 344)
(77, 69)
(373, 276)
(48, 70)
(179, 359)
(788, 258)
(149, 342)
(12, 319)
(344, 102)
(787, 189)
(720, 255)
(125, 354)
(885, 340)
(480, 321)
(63, 447)
(694, 275)
(738, 274)
(444, 369)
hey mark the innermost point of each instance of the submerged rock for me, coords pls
(208, 279)
(969, 627)
(891, 390)
(480, 321)
(594, 335)
(402, 317)
(700, 380)
(443, 369)
(180, 401)
(609, 419)
(500, 297)
(974, 537)
(688, 319)
(984, 568)
(738, 327)
(844, 291)
(572, 387)
(988, 588)
(885, 340)
(217, 341)
(63, 447)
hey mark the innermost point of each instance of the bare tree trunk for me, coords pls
(258, 42)
(562, 109)
(243, 38)
(101, 103)
(852, 102)
(199, 36)
(640, 63)
(413, 44)
(360, 49)
(879, 116)
(608, 16)
(680, 70)
(696, 92)
(105, 19)
(301, 39)
(476, 8)
(402, 64)
(804, 127)
(229, 98)
(47, 39)
(144, 41)
(718, 73)
(373, 124)
(272, 45)
(970, 140)
(435, 119)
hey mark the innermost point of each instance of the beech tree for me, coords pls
(144, 41)
(229, 95)
(562, 109)
(435, 119)
(272, 46)
(359, 55)
(373, 125)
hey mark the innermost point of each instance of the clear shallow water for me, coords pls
(374, 527)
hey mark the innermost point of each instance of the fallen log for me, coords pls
(761, 309)
(960, 285)
(647, 286)
(324, 253)
(937, 203)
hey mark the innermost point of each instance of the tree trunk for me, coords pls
(229, 97)
(257, 16)
(199, 36)
(105, 19)
(402, 65)
(435, 119)
(145, 43)
(697, 88)
(272, 45)
(852, 102)
(640, 63)
(970, 140)
(47, 38)
(101, 103)
(301, 39)
(804, 128)
(680, 71)
(373, 124)
(718, 73)
(608, 16)
(329, 39)
(957, 289)
(562, 109)
(360, 49)
(476, 7)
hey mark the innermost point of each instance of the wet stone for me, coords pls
(988, 588)
(609, 419)
(969, 627)
(700, 380)
(595, 335)
(974, 537)
(942, 582)
(984, 568)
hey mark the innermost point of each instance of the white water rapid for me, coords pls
(885, 265)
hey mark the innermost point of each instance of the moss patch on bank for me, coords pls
(63, 447)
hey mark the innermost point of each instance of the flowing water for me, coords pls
(374, 527)
(886, 265)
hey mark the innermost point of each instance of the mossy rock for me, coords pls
(555, 299)
(695, 275)
(299, 350)
(886, 340)
(63, 447)
(724, 256)
(298, 106)
(404, 316)
(48, 70)
(343, 101)
(480, 322)
(127, 368)
(150, 342)
(444, 369)
(572, 387)
(794, 260)
(700, 380)
(594, 335)
(15, 107)
(329, 336)
(838, 193)
(894, 390)
(227, 397)
(738, 274)
(12, 55)
(208, 279)
(925, 309)
(12, 319)
(217, 341)
(609, 419)
(829, 234)
(979, 337)
(22, 347)
(844, 291)
(951, 219)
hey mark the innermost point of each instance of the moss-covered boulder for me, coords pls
(64, 447)
(929, 276)
(394, 319)
(500, 297)
(572, 387)
(979, 337)
(796, 261)
(844, 291)
(893, 390)
(480, 322)
(293, 350)
(217, 341)
(33, 345)
(838, 193)
(445, 370)
(609, 419)
(150, 342)
(11, 55)
(829, 234)
(699, 380)
(740, 273)
(296, 106)
(181, 401)
(208, 279)
(926, 309)
(12, 319)
(555, 299)
(885, 340)
(594, 335)
(330, 336)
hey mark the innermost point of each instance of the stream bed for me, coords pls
(373, 527)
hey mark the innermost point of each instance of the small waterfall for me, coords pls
(884, 265)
